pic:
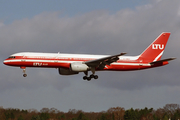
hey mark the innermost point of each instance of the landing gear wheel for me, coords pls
(85, 78)
(95, 77)
(88, 78)
(24, 75)
(91, 76)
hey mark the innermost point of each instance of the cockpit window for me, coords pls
(12, 57)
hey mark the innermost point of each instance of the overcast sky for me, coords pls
(93, 27)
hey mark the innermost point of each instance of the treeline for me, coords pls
(169, 111)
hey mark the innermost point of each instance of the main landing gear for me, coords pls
(24, 71)
(91, 76)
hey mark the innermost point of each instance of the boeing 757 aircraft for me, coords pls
(70, 64)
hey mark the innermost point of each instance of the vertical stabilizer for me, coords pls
(156, 49)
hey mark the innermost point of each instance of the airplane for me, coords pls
(71, 64)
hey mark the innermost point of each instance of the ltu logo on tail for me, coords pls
(157, 46)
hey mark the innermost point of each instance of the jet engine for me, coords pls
(79, 67)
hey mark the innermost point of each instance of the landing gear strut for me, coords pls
(24, 71)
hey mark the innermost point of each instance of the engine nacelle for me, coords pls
(79, 67)
(63, 71)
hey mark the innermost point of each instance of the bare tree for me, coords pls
(118, 113)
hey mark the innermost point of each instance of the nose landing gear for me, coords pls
(24, 71)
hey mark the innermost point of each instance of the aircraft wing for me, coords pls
(160, 61)
(102, 62)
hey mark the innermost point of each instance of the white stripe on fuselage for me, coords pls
(71, 56)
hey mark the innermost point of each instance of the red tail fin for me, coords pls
(156, 49)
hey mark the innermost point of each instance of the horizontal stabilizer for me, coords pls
(160, 61)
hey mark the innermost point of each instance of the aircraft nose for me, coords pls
(5, 62)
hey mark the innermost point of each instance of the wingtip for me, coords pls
(123, 53)
(173, 58)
